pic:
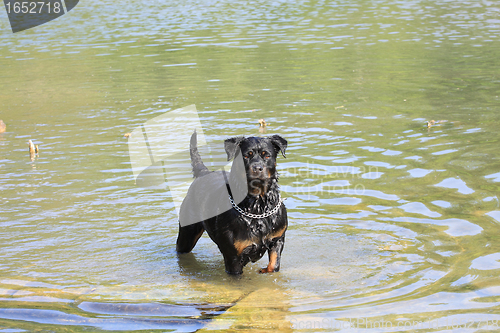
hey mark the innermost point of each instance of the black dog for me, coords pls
(241, 210)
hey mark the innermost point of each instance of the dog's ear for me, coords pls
(279, 144)
(231, 146)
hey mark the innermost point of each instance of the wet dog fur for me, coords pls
(240, 239)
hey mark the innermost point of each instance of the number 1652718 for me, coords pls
(33, 7)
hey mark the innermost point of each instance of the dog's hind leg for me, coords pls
(188, 237)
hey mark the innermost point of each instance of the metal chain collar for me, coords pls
(257, 216)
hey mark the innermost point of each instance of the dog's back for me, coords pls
(201, 201)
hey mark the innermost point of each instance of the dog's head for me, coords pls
(259, 158)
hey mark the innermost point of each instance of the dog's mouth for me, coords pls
(258, 187)
(262, 175)
(259, 182)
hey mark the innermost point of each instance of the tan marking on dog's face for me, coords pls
(240, 245)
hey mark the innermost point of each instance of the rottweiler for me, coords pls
(242, 210)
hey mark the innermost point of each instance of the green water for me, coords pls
(393, 225)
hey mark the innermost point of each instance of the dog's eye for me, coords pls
(265, 155)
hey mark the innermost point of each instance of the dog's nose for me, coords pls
(257, 168)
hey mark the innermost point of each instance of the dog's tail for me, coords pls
(199, 169)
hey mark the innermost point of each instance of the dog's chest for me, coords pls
(258, 228)
(259, 232)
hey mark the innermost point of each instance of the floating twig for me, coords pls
(33, 150)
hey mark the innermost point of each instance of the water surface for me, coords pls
(391, 222)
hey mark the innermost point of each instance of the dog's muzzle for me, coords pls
(258, 171)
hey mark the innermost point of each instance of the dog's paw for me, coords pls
(266, 270)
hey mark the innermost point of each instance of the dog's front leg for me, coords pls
(274, 255)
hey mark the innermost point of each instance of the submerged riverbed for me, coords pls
(393, 224)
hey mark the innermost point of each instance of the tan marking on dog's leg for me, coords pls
(273, 257)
